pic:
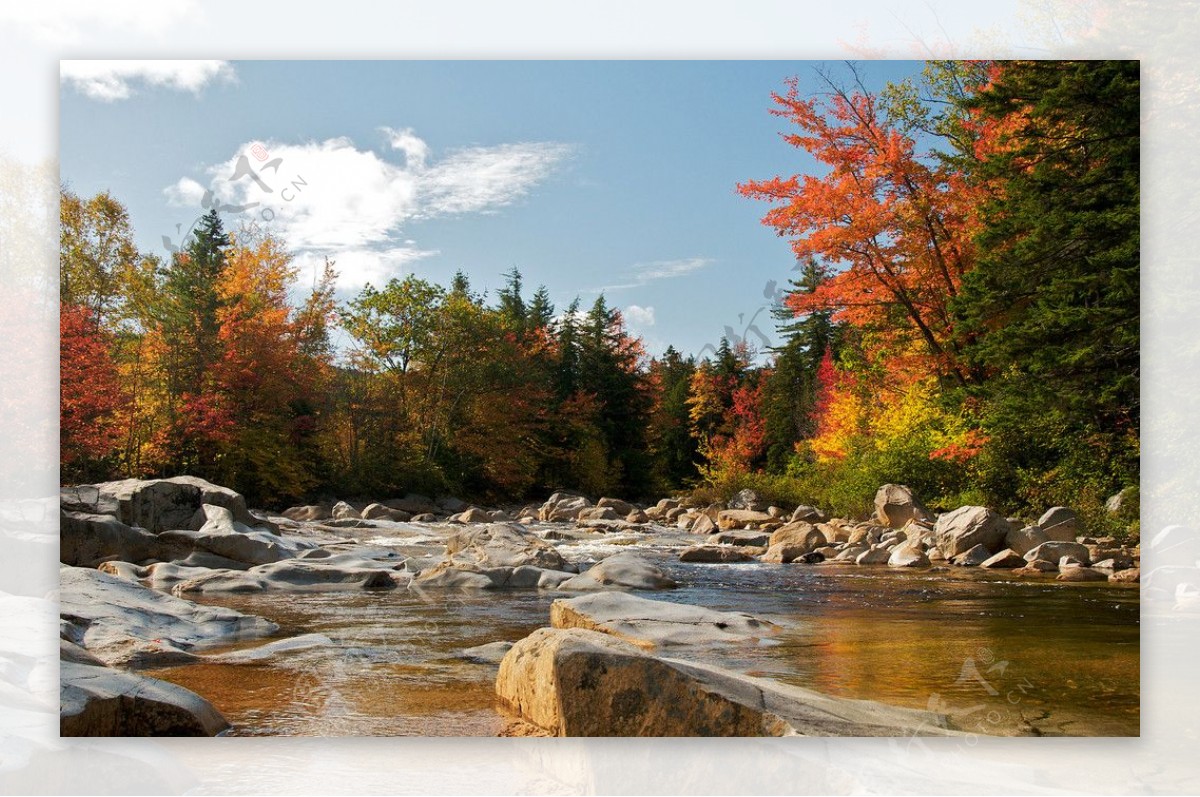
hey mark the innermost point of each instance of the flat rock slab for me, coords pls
(101, 701)
(620, 570)
(489, 653)
(124, 623)
(271, 650)
(504, 545)
(650, 624)
(576, 682)
(715, 554)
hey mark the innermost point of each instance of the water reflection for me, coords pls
(1000, 656)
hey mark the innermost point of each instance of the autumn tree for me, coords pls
(91, 397)
(893, 226)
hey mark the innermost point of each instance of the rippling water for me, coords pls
(1001, 655)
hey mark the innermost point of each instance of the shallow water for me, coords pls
(999, 655)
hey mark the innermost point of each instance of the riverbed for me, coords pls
(999, 655)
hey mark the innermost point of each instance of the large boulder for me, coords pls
(599, 513)
(703, 525)
(159, 504)
(809, 514)
(1055, 550)
(126, 624)
(896, 504)
(908, 554)
(964, 528)
(504, 545)
(577, 682)
(308, 513)
(622, 508)
(381, 512)
(224, 536)
(715, 554)
(294, 575)
(1024, 539)
(1007, 559)
(740, 537)
(458, 575)
(87, 540)
(798, 533)
(748, 500)
(626, 570)
(101, 701)
(562, 507)
(650, 624)
(1060, 524)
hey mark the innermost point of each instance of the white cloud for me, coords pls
(72, 21)
(415, 150)
(642, 273)
(332, 198)
(639, 316)
(114, 80)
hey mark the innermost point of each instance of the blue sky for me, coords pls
(588, 176)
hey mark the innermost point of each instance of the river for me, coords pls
(1001, 655)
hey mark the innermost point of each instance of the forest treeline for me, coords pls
(962, 317)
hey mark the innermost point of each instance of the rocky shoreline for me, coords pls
(607, 663)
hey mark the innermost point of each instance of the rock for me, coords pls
(223, 536)
(834, 532)
(620, 570)
(1117, 503)
(739, 537)
(967, 527)
(827, 551)
(861, 536)
(381, 512)
(562, 507)
(126, 624)
(1131, 576)
(598, 513)
(748, 500)
(424, 517)
(1114, 563)
(451, 574)
(1041, 566)
(473, 515)
(1025, 539)
(1054, 550)
(873, 556)
(638, 516)
(851, 553)
(908, 554)
(896, 504)
(784, 553)
(490, 653)
(741, 518)
(272, 650)
(622, 508)
(576, 682)
(651, 624)
(703, 525)
(504, 545)
(308, 514)
(1079, 574)
(1059, 524)
(715, 554)
(672, 515)
(973, 557)
(1069, 561)
(500, 516)
(344, 511)
(86, 540)
(798, 533)
(297, 575)
(808, 514)
(1008, 559)
(100, 701)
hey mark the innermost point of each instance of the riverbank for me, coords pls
(406, 659)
